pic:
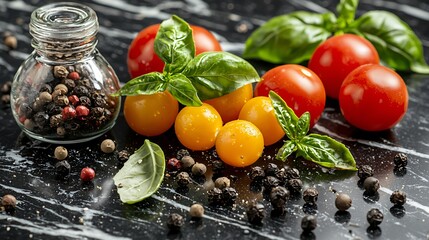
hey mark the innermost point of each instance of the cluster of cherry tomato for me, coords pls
(239, 125)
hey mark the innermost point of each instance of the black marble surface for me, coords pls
(66, 209)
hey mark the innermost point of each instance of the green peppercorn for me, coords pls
(222, 182)
(107, 146)
(199, 169)
(187, 161)
(60, 153)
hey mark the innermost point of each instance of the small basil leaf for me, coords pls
(285, 115)
(287, 149)
(181, 88)
(303, 125)
(142, 173)
(326, 152)
(396, 43)
(346, 12)
(215, 74)
(146, 84)
(290, 38)
(174, 44)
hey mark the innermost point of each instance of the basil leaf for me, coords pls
(181, 88)
(174, 44)
(303, 125)
(146, 84)
(326, 152)
(142, 174)
(290, 38)
(285, 115)
(215, 74)
(395, 41)
(346, 12)
(287, 149)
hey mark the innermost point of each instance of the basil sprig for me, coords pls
(188, 78)
(292, 38)
(319, 149)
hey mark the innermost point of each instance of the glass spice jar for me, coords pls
(62, 92)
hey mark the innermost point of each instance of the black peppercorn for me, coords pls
(41, 118)
(343, 202)
(271, 169)
(46, 88)
(215, 196)
(86, 101)
(81, 91)
(123, 155)
(8, 202)
(182, 179)
(398, 197)
(222, 182)
(55, 120)
(52, 109)
(199, 169)
(70, 84)
(217, 166)
(62, 168)
(256, 174)
(187, 162)
(181, 153)
(364, 172)
(255, 213)
(310, 195)
(229, 195)
(281, 176)
(100, 102)
(270, 182)
(5, 99)
(374, 217)
(175, 222)
(292, 173)
(25, 110)
(294, 185)
(309, 223)
(278, 197)
(6, 87)
(400, 160)
(371, 185)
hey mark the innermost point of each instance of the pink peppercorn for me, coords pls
(68, 112)
(87, 174)
(74, 100)
(82, 111)
(74, 76)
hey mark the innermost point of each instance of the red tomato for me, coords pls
(299, 87)
(335, 58)
(373, 98)
(143, 59)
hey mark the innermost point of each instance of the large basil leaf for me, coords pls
(146, 84)
(215, 74)
(287, 149)
(181, 88)
(326, 152)
(142, 174)
(346, 12)
(285, 116)
(395, 41)
(174, 44)
(289, 38)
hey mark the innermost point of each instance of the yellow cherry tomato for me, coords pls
(260, 111)
(197, 127)
(151, 115)
(229, 105)
(239, 143)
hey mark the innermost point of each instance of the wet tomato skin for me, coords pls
(373, 98)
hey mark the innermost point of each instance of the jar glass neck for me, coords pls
(64, 31)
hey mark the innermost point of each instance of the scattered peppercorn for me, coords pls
(278, 198)
(400, 160)
(175, 222)
(217, 166)
(182, 179)
(173, 164)
(5, 99)
(196, 211)
(256, 174)
(60, 153)
(123, 155)
(374, 217)
(271, 169)
(108, 146)
(62, 168)
(215, 196)
(371, 185)
(10, 41)
(270, 182)
(310, 195)
(364, 172)
(87, 174)
(343, 201)
(398, 198)
(8, 201)
(292, 173)
(294, 185)
(187, 162)
(309, 223)
(255, 213)
(229, 195)
(181, 153)
(222, 182)
(281, 176)
(199, 169)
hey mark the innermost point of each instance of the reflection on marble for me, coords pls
(49, 208)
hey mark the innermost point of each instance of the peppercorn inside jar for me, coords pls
(62, 93)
